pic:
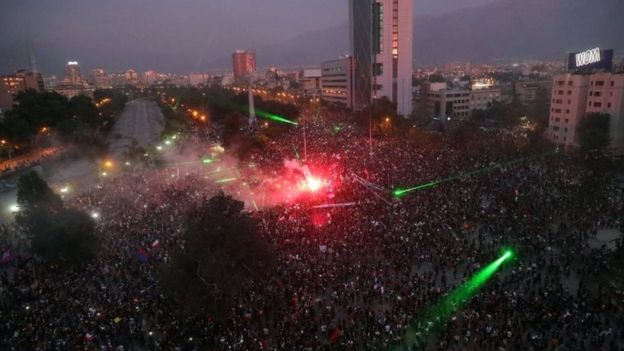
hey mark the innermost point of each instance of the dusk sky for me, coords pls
(161, 34)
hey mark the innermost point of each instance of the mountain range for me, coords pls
(201, 35)
(503, 30)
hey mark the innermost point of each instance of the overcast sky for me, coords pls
(175, 35)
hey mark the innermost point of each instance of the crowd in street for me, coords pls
(9, 165)
(354, 278)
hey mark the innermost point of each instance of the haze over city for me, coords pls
(302, 175)
(195, 35)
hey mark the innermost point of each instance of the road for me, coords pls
(142, 121)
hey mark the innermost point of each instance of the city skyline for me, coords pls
(155, 35)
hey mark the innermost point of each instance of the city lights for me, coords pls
(387, 175)
(313, 183)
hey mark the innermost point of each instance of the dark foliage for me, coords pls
(221, 256)
(56, 234)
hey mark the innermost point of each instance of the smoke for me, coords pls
(294, 165)
(245, 180)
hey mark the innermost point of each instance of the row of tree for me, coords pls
(55, 233)
(37, 114)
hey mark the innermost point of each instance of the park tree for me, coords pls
(75, 120)
(594, 133)
(55, 233)
(540, 109)
(437, 78)
(231, 128)
(221, 255)
(32, 111)
(594, 140)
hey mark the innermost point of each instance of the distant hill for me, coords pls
(506, 29)
(519, 29)
(307, 49)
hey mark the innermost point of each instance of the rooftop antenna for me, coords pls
(252, 108)
(33, 61)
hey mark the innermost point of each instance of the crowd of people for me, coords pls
(10, 165)
(351, 278)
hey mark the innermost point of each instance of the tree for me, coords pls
(56, 234)
(221, 254)
(437, 78)
(68, 239)
(594, 140)
(506, 114)
(594, 133)
(540, 110)
(74, 120)
(32, 111)
(37, 202)
(231, 128)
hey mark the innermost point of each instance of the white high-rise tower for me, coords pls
(382, 45)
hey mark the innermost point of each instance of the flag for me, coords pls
(7, 256)
(142, 255)
(335, 335)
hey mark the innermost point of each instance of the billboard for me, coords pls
(590, 60)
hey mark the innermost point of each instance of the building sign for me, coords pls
(587, 57)
(591, 59)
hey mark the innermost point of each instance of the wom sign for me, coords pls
(587, 57)
(591, 60)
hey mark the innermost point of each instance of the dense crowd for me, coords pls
(10, 165)
(353, 278)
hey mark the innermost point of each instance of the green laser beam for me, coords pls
(226, 180)
(438, 315)
(185, 163)
(400, 192)
(255, 205)
(275, 118)
(270, 116)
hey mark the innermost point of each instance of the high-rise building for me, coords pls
(72, 73)
(100, 79)
(32, 80)
(22, 80)
(73, 84)
(444, 104)
(244, 63)
(198, 79)
(150, 78)
(18, 82)
(337, 81)
(311, 81)
(574, 96)
(361, 23)
(382, 46)
(6, 99)
(132, 78)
